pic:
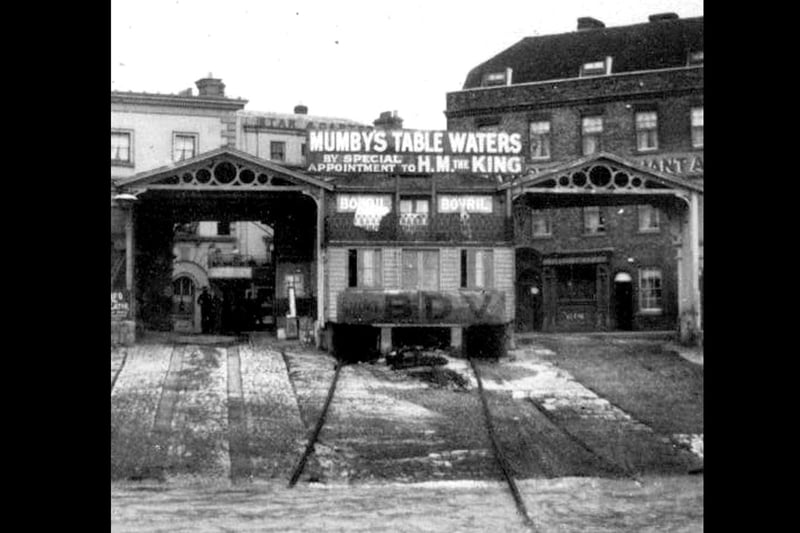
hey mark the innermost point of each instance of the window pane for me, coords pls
(592, 124)
(540, 139)
(697, 116)
(649, 218)
(593, 220)
(591, 144)
(650, 291)
(430, 266)
(540, 222)
(120, 146)
(646, 120)
(410, 276)
(367, 272)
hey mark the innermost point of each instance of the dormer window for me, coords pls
(695, 58)
(491, 79)
(596, 68)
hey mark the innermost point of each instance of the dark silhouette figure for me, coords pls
(206, 302)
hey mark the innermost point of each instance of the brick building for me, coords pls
(595, 106)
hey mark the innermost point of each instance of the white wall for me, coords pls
(152, 137)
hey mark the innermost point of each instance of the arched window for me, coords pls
(183, 296)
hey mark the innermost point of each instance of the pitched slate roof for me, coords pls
(652, 45)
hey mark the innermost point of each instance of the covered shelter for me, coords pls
(605, 179)
(223, 185)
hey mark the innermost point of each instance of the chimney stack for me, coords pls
(210, 86)
(301, 110)
(589, 23)
(663, 16)
(389, 120)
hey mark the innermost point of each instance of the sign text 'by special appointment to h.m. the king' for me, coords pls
(414, 151)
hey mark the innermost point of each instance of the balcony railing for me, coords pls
(417, 227)
(238, 260)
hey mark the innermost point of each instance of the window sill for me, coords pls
(540, 159)
(650, 231)
(647, 150)
(543, 236)
(598, 234)
(127, 164)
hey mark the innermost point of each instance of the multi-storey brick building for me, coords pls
(615, 100)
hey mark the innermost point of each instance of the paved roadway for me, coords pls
(205, 436)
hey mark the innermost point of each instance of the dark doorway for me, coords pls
(529, 301)
(529, 296)
(623, 301)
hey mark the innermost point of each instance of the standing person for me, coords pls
(218, 303)
(206, 302)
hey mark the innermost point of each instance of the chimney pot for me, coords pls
(210, 87)
(589, 23)
(389, 120)
(301, 109)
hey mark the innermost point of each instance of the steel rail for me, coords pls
(298, 470)
(498, 452)
(119, 370)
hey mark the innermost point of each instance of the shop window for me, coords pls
(277, 150)
(591, 134)
(184, 146)
(414, 212)
(296, 280)
(421, 270)
(121, 147)
(650, 290)
(477, 269)
(697, 127)
(646, 131)
(540, 139)
(541, 224)
(594, 221)
(364, 268)
(576, 283)
(649, 218)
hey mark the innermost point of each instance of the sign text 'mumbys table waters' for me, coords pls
(400, 151)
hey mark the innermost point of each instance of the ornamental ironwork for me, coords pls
(224, 173)
(600, 177)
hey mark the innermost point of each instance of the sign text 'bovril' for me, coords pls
(421, 307)
(414, 151)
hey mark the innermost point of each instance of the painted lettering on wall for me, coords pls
(421, 307)
(463, 203)
(681, 165)
(414, 151)
(119, 305)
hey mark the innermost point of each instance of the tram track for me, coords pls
(499, 455)
(119, 370)
(298, 470)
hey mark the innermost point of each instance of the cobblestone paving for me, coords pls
(584, 505)
(605, 428)
(380, 427)
(276, 434)
(134, 401)
(198, 444)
